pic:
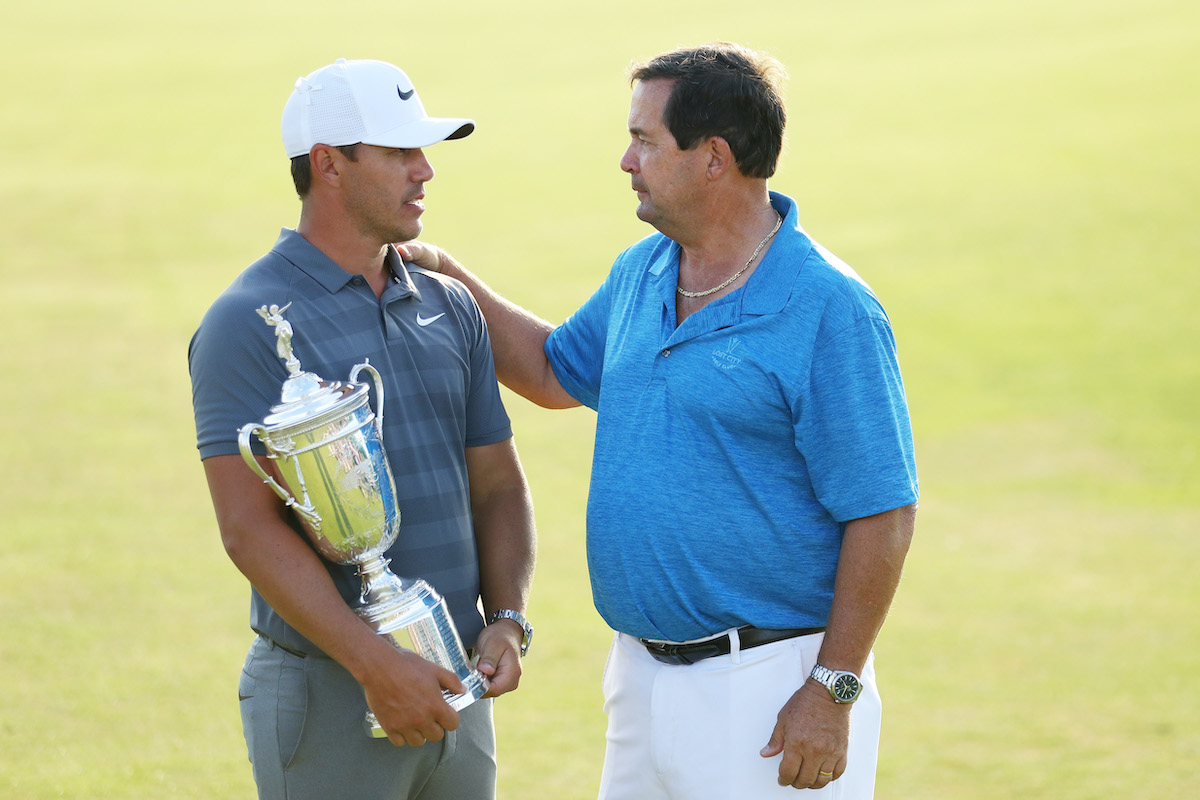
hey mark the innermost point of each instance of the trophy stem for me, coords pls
(379, 584)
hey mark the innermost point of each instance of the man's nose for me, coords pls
(424, 171)
(628, 160)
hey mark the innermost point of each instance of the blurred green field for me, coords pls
(1018, 181)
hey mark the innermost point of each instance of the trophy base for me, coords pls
(477, 686)
(417, 619)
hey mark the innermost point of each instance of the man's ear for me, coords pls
(720, 157)
(325, 163)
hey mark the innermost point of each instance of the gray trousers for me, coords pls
(303, 722)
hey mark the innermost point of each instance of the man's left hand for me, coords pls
(499, 647)
(813, 733)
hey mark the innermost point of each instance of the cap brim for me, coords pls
(423, 133)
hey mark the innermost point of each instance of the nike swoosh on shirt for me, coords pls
(422, 321)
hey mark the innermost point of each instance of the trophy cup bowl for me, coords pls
(328, 447)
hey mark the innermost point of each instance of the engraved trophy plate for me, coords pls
(328, 447)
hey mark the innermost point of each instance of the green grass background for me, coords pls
(1018, 181)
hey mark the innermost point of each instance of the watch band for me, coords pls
(519, 618)
(843, 686)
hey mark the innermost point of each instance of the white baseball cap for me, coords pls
(371, 102)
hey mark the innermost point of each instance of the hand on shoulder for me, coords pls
(426, 256)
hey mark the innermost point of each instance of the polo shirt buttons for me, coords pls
(666, 352)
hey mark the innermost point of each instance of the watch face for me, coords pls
(845, 688)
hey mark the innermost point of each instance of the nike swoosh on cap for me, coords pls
(404, 95)
(422, 321)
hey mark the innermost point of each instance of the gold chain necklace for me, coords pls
(738, 274)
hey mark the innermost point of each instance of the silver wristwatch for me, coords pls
(844, 687)
(519, 618)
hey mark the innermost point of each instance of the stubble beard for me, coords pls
(374, 221)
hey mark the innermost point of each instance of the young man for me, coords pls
(355, 132)
(753, 483)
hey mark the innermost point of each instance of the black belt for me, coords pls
(276, 645)
(748, 636)
(300, 654)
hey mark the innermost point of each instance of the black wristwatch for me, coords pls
(844, 687)
(519, 618)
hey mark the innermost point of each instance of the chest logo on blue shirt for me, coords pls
(724, 358)
(423, 321)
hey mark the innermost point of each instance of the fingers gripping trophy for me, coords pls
(328, 447)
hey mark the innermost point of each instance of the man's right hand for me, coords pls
(518, 336)
(426, 256)
(405, 692)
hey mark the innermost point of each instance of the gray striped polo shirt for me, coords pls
(427, 338)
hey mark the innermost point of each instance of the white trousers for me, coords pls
(694, 732)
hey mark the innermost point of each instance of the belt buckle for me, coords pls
(699, 652)
(663, 653)
(682, 654)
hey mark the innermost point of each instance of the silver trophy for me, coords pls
(328, 447)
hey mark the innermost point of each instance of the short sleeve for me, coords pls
(855, 432)
(228, 356)
(576, 348)
(487, 421)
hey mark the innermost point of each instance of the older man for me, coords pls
(753, 484)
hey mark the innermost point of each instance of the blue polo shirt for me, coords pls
(427, 338)
(732, 449)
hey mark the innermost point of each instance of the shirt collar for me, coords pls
(401, 285)
(309, 259)
(770, 285)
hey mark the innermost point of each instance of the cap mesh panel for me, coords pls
(335, 117)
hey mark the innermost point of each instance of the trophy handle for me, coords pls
(308, 513)
(378, 391)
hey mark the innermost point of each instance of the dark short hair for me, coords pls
(302, 170)
(725, 90)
